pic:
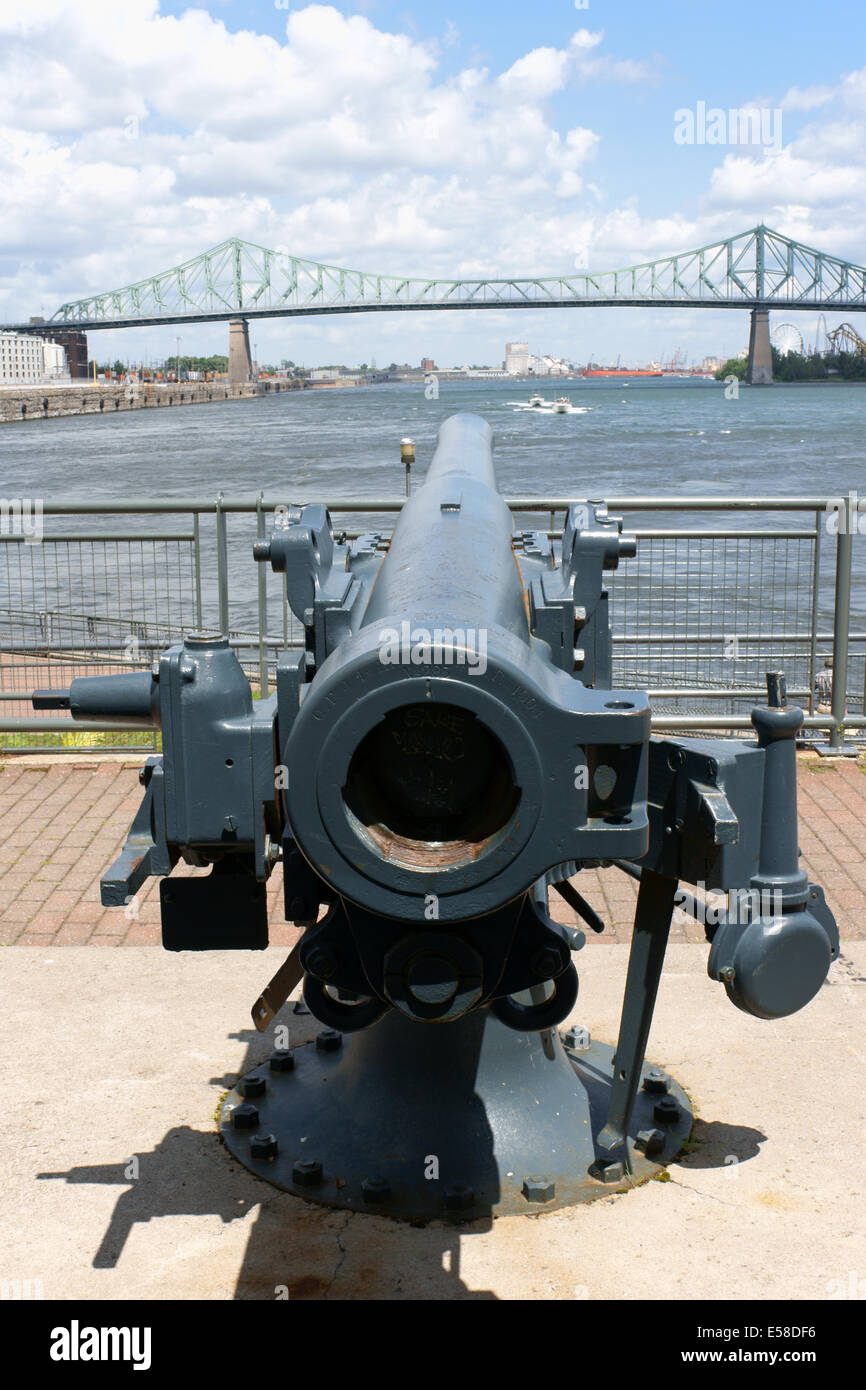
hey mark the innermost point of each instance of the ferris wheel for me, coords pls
(787, 338)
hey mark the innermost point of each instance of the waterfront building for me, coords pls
(74, 343)
(26, 359)
(548, 366)
(517, 359)
(54, 364)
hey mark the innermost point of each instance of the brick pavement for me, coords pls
(62, 822)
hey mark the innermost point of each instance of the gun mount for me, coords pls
(447, 747)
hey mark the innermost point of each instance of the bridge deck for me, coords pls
(758, 268)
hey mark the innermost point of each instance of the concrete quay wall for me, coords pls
(51, 402)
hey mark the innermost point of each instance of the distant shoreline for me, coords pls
(20, 404)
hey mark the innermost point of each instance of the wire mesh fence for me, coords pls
(699, 614)
(77, 605)
(708, 614)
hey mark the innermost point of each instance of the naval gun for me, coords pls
(448, 748)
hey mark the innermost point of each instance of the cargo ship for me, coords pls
(620, 371)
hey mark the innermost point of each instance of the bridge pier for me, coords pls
(240, 359)
(760, 369)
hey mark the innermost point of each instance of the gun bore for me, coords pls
(430, 786)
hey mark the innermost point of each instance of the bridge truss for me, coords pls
(759, 267)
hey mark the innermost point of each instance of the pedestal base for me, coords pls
(462, 1120)
(846, 749)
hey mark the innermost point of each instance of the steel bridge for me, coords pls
(759, 269)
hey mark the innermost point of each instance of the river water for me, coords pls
(666, 436)
(648, 438)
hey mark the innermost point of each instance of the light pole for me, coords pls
(177, 359)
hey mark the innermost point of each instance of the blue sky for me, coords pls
(432, 139)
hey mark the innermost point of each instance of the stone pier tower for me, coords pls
(240, 360)
(760, 369)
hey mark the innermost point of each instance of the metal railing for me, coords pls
(699, 615)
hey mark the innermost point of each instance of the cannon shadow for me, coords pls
(296, 1250)
(721, 1145)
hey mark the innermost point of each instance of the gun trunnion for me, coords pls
(446, 748)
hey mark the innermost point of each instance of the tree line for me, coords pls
(796, 366)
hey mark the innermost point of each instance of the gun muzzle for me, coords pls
(431, 785)
(435, 750)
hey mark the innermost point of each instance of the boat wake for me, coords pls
(550, 408)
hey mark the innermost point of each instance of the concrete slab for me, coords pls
(123, 1055)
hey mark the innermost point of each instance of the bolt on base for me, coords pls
(489, 1122)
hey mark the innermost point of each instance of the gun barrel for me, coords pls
(430, 782)
(450, 563)
(435, 749)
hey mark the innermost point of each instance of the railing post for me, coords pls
(222, 567)
(813, 627)
(263, 603)
(196, 550)
(841, 618)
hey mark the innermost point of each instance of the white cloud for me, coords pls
(539, 74)
(345, 143)
(587, 65)
(772, 179)
(832, 142)
(585, 40)
(128, 143)
(852, 92)
(806, 98)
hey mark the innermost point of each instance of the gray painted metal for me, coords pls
(841, 623)
(491, 1106)
(420, 777)
(772, 957)
(672, 502)
(786, 642)
(365, 615)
